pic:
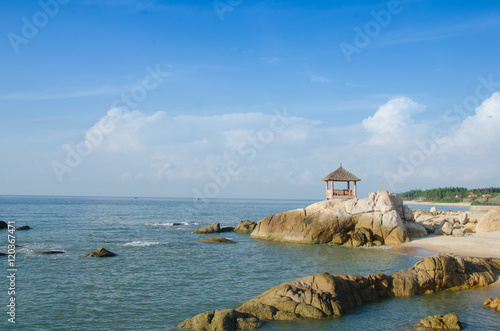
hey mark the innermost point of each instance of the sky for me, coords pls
(246, 98)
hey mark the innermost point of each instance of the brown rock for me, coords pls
(493, 303)
(447, 322)
(213, 228)
(50, 252)
(217, 240)
(245, 227)
(222, 320)
(101, 252)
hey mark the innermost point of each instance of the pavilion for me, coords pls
(340, 175)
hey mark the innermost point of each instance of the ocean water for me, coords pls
(162, 275)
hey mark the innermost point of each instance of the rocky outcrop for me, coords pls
(440, 322)
(23, 228)
(332, 221)
(245, 227)
(3, 225)
(325, 295)
(493, 303)
(101, 252)
(213, 228)
(227, 320)
(490, 222)
(217, 240)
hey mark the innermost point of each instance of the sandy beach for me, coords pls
(425, 203)
(476, 245)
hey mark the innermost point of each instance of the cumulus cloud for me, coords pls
(286, 156)
(392, 121)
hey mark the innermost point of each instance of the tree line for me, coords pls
(448, 193)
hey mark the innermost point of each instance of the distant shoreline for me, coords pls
(427, 203)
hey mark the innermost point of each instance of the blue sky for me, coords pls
(241, 98)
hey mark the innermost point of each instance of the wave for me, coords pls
(142, 243)
(168, 224)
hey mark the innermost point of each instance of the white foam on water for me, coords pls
(142, 243)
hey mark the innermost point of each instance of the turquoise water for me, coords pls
(162, 276)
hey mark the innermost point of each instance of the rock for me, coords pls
(433, 211)
(361, 236)
(226, 229)
(416, 230)
(177, 224)
(447, 228)
(325, 295)
(213, 228)
(463, 218)
(468, 230)
(428, 226)
(3, 225)
(49, 252)
(245, 227)
(222, 320)
(448, 322)
(408, 214)
(101, 252)
(493, 303)
(490, 222)
(382, 213)
(339, 239)
(23, 228)
(217, 240)
(457, 233)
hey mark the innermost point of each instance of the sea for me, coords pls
(162, 275)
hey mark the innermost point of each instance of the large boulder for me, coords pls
(245, 227)
(446, 322)
(416, 230)
(490, 222)
(382, 213)
(325, 295)
(3, 225)
(222, 320)
(213, 228)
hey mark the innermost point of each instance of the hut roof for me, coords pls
(341, 175)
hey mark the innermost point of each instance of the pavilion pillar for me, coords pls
(355, 194)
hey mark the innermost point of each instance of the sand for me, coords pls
(423, 203)
(474, 245)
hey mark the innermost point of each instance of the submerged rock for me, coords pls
(217, 240)
(440, 322)
(101, 252)
(49, 252)
(223, 320)
(245, 227)
(325, 295)
(213, 228)
(226, 229)
(23, 228)
(382, 213)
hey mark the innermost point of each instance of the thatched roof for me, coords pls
(341, 175)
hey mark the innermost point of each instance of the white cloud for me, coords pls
(393, 121)
(319, 79)
(287, 156)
